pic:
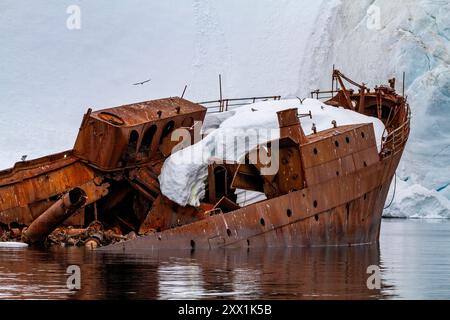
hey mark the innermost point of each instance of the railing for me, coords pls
(321, 94)
(226, 104)
(394, 142)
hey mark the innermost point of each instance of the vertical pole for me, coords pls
(332, 82)
(403, 85)
(220, 91)
(185, 87)
(95, 211)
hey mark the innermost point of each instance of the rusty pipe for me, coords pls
(48, 221)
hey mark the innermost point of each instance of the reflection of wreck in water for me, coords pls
(329, 190)
(258, 273)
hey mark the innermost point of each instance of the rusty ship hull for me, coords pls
(348, 212)
(330, 189)
(346, 182)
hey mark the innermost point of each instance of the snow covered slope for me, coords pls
(49, 75)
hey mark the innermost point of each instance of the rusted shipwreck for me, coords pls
(330, 188)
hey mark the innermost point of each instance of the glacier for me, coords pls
(50, 75)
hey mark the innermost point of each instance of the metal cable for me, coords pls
(393, 196)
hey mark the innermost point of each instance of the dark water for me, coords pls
(413, 257)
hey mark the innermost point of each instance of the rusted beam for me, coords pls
(290, 125)
(226, 205)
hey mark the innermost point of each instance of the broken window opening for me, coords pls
(167, 130)
(147, 140)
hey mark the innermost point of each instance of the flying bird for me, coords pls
(141, 83)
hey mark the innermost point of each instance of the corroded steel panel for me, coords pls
(290, 172)
(329, 170)
(147, 111)
(339, 217)
(365, 158)
(16, 200)
(317, 152)
(115, 138)
(29, 169)
(336, 143)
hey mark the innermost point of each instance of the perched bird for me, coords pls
(322, 107)
(24, 157)
(301, 100)
(141, 83)
(253, 110)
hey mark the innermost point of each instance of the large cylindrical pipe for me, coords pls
(47, 222)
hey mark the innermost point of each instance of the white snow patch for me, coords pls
(12, 244)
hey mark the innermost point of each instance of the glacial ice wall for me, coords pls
(411, 36)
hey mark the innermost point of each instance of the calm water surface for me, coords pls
(413, 256)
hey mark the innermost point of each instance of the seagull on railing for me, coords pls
(141, 83)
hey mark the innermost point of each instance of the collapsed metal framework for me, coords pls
(383, 102)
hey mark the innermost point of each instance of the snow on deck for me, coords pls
(231, 134)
